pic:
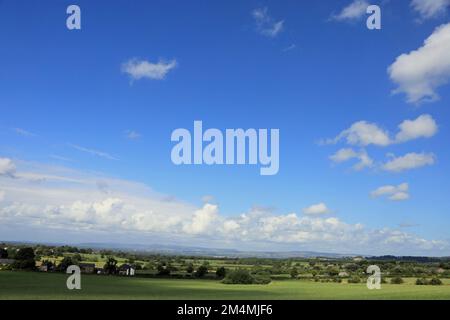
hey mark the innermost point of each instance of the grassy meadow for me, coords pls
(34, 285)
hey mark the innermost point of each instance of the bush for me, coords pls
(436, 282)
(337, 280)
(396, 280)
(241, 276)
(422, 282)
(354, 279)
(259, 279)
(433, 282)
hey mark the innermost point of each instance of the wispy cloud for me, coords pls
(94, 152)
(408, 225)
(61, 158)
(430, 8)
(132, 135)
(24, 132)
(409, 161)
(346, 154)
(354, 11)
(393, 193)
(265, 24)
(289, 48)
(140, 69)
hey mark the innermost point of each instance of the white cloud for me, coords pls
(354, 11)
(399, 196)
(419, 73)
(265, 24)
(230, 226)
(69, 201)
(139, 69)
(316, 209)
(343, 155)
(132, 135)
(430, 8)
(364, 161)
(347, 154)
(2, 195)
(202, 220)
(409, 161)
(363, 133)
(7, 167)
(94, 152)
(422, 127)
(394, 193)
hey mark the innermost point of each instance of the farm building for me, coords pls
(7, 261)
(43, 268)
(127, 270)
(87, 267)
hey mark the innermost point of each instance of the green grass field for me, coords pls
(33, 285)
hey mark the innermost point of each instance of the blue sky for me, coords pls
(68, 107)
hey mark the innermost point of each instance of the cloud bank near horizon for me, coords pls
(59, 199)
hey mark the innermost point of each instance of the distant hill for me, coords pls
(213, 252)
(166, 249)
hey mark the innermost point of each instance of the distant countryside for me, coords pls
(39, 272)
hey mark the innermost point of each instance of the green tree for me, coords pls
(65, 263)
(77, 258)
(163, 269)
(3, 254)
(333, 271)
(25, 254)
(294, 273)
(25, 259)
(221, 272)
(110, 266)
(190, 268)
(201, 271)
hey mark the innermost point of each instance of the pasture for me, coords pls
(35, 285)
